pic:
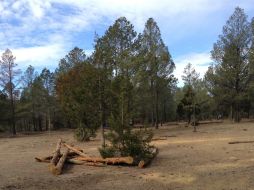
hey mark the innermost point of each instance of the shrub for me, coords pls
(128, 143)
(107, 152)
(84, 134)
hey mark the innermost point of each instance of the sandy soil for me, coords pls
(192, 161)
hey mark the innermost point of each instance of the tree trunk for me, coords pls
(40, 123)
(237, 113)
(152, 103)
(48, 159)
(13, 114)
(231, 113)
(46, 124)
(164, 112)
(44, 159)
(113, 161)
(102, 110)
(57, 170)
(34, 123)
(189, 118)
(102, 135)
(144, 162)
(194, 118)
(84, 157)
(122, 110)
(157, 109)
(69, 160)
(48, 120)
(76, 150)
(57, 153)
(152, 117)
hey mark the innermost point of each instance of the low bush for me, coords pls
(129, 143)
(84, 134)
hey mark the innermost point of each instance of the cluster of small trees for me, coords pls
(26, 100)
(129, 79)
(126, 80)
(227, 87)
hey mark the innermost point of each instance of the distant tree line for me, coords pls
(129, 80)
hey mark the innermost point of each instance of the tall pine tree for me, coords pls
(230, 53)
(158, 65)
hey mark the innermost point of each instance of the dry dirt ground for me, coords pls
(193, 161)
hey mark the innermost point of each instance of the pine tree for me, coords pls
(75, 56)
(9, 81)
(116, 54)
(230, 52)
(190, 76)
(77, 92)
(113, 57)
(48, 80)
(3, 107)
(158, 64)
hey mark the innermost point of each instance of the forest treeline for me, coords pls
(127, 80)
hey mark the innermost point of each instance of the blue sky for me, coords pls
(41, 32)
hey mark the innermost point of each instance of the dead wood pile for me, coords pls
(74, 155)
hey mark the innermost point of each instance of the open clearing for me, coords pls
(186, 160)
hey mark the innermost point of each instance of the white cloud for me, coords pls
(36, 53)
(38, 56)
(38, 7)
(139, 11)
(86, 13)
(68, 16)
(200, 61)
(47, 27)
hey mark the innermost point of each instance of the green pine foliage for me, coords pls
(228, 81)
(127, 142)
(78, 97)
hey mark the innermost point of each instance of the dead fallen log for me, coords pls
(76, 150)
(210, 122)
(69, 160)
(72, 153)
(75, 155)
(111, 161)
(95, 164)
(144, 162)
(75, 161)
(57, 170)
(56, 154)
(238, 142)
(47, 159)
(82, 160)
(168, 136)
(159, 139)
(164, 137)
(43, 159)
